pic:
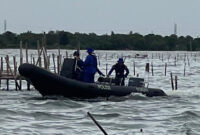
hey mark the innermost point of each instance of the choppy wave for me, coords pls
(27, 112)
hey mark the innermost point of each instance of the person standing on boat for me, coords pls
(78, 68)
(119, 68)
(90, 67)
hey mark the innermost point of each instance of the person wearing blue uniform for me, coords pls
(78, 67)
(90, 67)
(119, 68)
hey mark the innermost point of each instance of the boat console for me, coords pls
(136, 82)
(133, 81)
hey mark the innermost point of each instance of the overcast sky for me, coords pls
(102, 16)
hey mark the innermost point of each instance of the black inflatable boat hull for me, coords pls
(50, 84)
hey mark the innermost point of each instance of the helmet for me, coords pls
(90, 50)
(76, 53)
(120, 60)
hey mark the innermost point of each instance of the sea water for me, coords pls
(27, 112)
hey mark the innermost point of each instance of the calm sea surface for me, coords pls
(28, 113)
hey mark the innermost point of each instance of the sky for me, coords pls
(102, 16)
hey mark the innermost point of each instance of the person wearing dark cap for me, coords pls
(119, 68)
(78, 67)
(90, 67)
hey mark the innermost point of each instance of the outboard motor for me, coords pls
(136, 82)
(67, 69)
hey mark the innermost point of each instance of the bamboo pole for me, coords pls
(188, 61)
(20, 84)
(58, 64)
(147, 67)
(175, 61)
(7, 61)
(165, 69)
(168, 58)
(152, 69)
(39, 56)
(54, 64)
(48, 58)
(15, 65)
(66, 54)
(44, 51)
(99, 126)
(33, 61)
(21, 54)
(21, 62)
(172, 83)
(39, 61)
(15, 70)
(176, 82)
(106, 69)
(184, 58)
(7, 83)
(45, 58)
(38, 47)
(28, 83)
(99, 60)
(59, 51)
(134, 67)
(184, 68)
(7, 72)
(44, 41)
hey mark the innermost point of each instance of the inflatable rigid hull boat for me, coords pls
(50, 84)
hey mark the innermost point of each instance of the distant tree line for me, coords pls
(114, 41)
